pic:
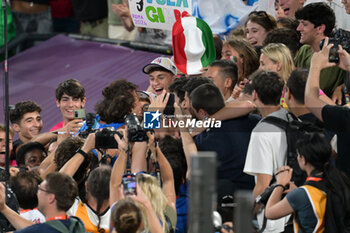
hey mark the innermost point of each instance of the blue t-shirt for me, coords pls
(302, 207)
(182, 209)
(98, 125)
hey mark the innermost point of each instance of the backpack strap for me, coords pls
(262, 229)
(57, 225)
(292, 128)
(283, 124)
(74, 227)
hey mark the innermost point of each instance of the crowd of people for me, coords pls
(103, 172)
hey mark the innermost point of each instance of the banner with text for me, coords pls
(158, 14)
(225, 15)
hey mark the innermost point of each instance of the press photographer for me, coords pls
(119, 99)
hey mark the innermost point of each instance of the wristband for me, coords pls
(280, 185)
(83, 153)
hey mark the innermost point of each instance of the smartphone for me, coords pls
(333, 54)
(80, 114)
(169, 108)
(129, 184)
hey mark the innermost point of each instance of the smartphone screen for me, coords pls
(333, 54)
(80, 114)
(129, 184)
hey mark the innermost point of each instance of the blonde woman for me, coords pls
(166, 214)
(277, 57)
(128, 213)
(162, 199)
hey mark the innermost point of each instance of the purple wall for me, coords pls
(35, 73)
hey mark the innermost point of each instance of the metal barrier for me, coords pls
(202, 192)
(18, 43)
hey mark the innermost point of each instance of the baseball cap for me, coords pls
(162, 62)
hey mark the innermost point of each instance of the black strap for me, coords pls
(57, 225)
(264, 225)
(280, 122)
(74, 227)
(83, 153)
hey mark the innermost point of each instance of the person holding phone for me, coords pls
(70, 96)
(316, 21)
(335, 118)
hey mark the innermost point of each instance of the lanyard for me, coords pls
(58, 217)
(314, 179)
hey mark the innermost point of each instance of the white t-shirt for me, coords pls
(267, 147)
(266, 154)
(33, 215)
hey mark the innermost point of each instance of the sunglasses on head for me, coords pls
(258, 13)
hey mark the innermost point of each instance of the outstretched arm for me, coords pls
(122, 10)
(48, 165)
(166, 172)
(71, 167)
(188, 143)
(234, 109)
(118, 169)
(14, 218)
(189, 147)
(71, 127)
(139, 151)
(320, 61)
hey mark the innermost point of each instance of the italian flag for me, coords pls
(193, 45)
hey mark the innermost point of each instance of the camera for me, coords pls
(264, 197)
(223, 226)
(341, 37)
(217, 223)
(135, 131)
(105, 138)
(90, 120)
(129, 184)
